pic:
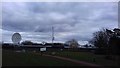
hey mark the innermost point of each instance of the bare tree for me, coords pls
(107, 41)
(101, 40)
(72, 43)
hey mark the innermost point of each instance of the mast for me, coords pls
(52, 34)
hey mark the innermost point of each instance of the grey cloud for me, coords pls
(77, 37)
(79, 18)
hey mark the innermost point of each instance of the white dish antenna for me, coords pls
(16, 38)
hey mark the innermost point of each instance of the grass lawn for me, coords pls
(12, 58)
(88, 57)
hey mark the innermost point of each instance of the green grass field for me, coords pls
(12, 58)
(87, 57)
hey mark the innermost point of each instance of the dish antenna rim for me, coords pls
(16, 38)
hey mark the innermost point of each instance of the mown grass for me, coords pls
(87, 57)
(12, 58)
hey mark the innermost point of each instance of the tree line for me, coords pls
(107, 41)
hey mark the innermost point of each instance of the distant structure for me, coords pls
(16, 38)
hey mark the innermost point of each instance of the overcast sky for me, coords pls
(71, 20)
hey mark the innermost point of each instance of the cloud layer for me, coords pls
(76, 20)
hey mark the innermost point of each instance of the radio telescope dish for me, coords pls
(16, 38)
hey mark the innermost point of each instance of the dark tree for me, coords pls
(27, 43)
(100, 40)
(86, 45)
(107, 41)
(114, 42)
